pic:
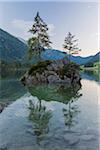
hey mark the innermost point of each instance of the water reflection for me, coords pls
(10, 85)
(10, 90)
(91, 75)
(10, 73)
(70, 112)
(58, 92)
(40, 116)
(69, 115)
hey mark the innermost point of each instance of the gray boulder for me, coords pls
(53, 79)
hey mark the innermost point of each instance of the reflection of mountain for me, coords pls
(91, 75)
(10, 90)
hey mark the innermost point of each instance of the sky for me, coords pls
(79, 18)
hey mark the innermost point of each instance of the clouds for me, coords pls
(21, 24)
(22, 27)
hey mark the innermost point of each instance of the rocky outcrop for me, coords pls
(2, 106)
(59, 71)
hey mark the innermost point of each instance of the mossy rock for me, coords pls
(68, 69)
(39, 67)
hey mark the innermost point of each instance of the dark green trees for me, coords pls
(40, 39)
(71, 44)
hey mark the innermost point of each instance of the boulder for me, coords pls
(31, 80)
(49, 67)
(58, 71)
(2, 106)
(53, 79)
(43, 78)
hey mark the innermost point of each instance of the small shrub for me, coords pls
(39, 67)
(89, 64)
(69, 69)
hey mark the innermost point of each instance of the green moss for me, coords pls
(39, 67)
(68, 69)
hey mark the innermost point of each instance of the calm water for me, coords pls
(50, 117)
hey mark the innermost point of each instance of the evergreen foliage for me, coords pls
(39, 67)
(71, 44)
(40, 39)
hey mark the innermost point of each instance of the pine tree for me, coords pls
(40, 39)
(71, 45)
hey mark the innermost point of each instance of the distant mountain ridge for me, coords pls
(95, 58)
(13, 48)
(53, 54)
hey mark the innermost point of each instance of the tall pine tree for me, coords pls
(40, 39)
(71, 44)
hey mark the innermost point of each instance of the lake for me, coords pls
(50, 117)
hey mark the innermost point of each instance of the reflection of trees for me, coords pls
(71, 110)
(92, 74)
(69, 115)
(69, 93)
(58, 92)
(40, 117)
(61, 93)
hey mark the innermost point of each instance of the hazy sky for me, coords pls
(80, 18)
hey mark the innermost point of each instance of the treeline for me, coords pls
(92, 64)
(14, 64)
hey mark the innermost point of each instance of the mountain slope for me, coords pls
(15, 49)
(11, 48)
(95, 58)
(95, 61)
(53, 54)
(81, 60)
(22, 40)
